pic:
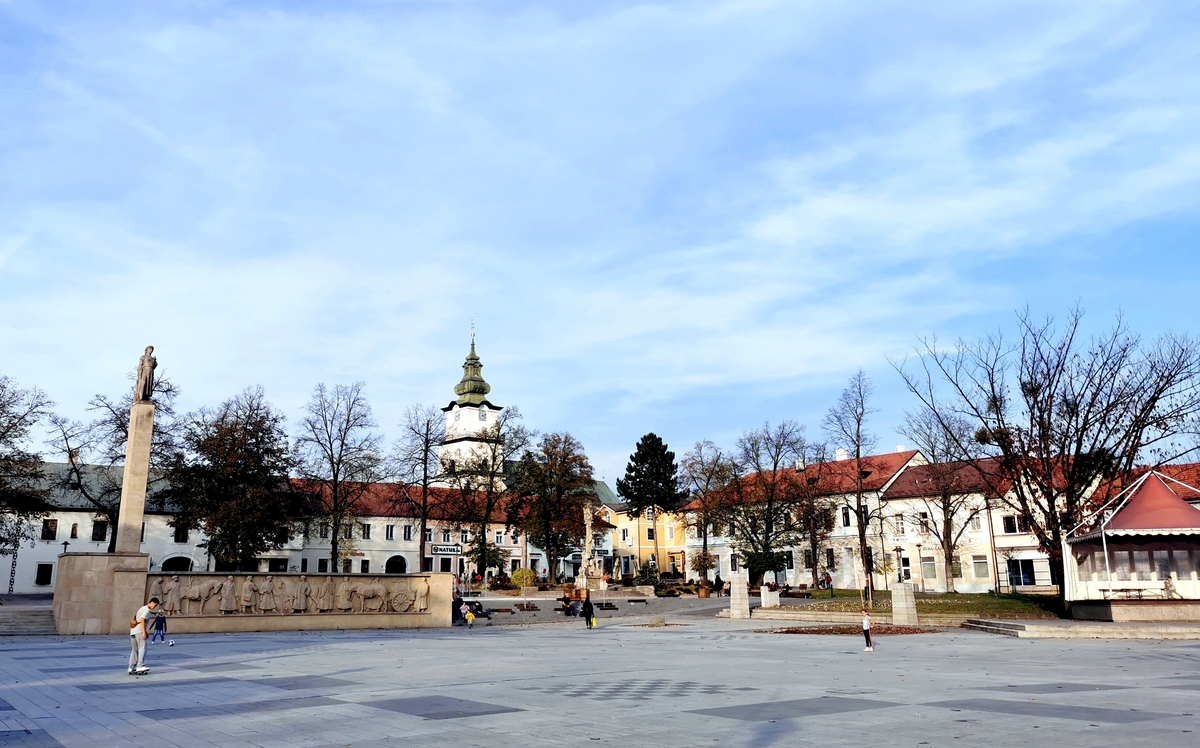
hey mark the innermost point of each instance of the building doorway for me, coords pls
(396, 565)
(177, 563)
(1020, 573)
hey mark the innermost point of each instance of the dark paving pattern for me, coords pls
(1053, 711)
(150, 682)
(769, 710)
(1054, 688)
(638, 689)
(221, 667)
(440, 707)
(277, 705)
(6, 707)
(83, 669)
(28, 738)
(300, 682)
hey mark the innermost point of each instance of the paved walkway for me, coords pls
(706, 682)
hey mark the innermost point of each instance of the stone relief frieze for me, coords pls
(287, 594)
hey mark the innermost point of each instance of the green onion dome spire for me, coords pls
(472, 390)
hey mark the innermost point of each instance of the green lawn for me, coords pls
(975, 605)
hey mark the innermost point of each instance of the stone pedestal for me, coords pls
(97, 593)
(136, 476)
(904, 605)
(769, 599)
(739, 594)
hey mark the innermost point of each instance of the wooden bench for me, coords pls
(504, 610)
(636, 600)
(606, 606)
(527, 607)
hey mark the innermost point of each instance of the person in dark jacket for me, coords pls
(587, 611)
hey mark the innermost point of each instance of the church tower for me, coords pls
(471, 416)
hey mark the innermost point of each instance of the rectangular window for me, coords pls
(924, 521)
(928, 568)
(1010, 524)
(976, 523)
(514, 564)
(898, 520)
(956, 568)
(364, 566)
(980, 567)
(808, 558)
(429, 538)
(366, 531)
(74, 531)
(347, 532)
(346, 566)
(845, 516)
(1020, 572)
(49, 531)
(670, 532)
(733, 562)
(650, 533)
(408, 529)
(464, 537)
(499, 537)
(323, 531)
(428, 564)
(181, 534)
(871, 560)
(323, 566)
(445, 536)
(624, 534)
(44, 574)
(789, 558)
(389, 532)
(447, 564)
(830, 559)
(303, 565)
(99, 531)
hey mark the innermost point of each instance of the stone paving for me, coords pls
(703, 681)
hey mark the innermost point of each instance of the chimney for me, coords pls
(841, 454)
(800, 463)
(901, 448)
(73, 456)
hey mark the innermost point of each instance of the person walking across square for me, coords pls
(588, 611)
(866, 622)
(160, 627)
(137, 638)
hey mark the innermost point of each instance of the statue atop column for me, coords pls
(144, 389)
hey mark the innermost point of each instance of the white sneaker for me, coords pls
(870, 649)
(866, 649)
(131, 671)
(141, 671)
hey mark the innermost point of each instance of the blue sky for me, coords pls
(686, 217)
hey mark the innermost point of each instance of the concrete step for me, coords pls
(27, 623)
(994, 627)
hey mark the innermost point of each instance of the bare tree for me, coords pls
(706, 471)
(94, 451)
(22, 485)
(422, 431)
(955, 492)
(846, 425)
(1062, 415)
(339, 455)
(814, 505)
(479, 483)
(761, 503)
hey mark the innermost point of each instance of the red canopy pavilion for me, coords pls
(1138, 560)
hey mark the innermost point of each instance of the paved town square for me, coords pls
(698, 681)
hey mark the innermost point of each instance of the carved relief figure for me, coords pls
(300, 595)
(170, 597)
(144, 389)
(325, 595)
(283, 598)
(228, 596)
(422, 595)
(373, 595)
(249, 598)
(156, 589)
(266, 596)
(199, 591)
(342, 600)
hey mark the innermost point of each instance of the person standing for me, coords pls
(588, 611)
(160, 626)
(137, 638)
(866, 622)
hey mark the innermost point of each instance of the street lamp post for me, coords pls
(899, 570)
(921, 566)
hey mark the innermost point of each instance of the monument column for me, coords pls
(136, 477)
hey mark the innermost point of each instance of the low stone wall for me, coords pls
(213, 603)
(1136, 610)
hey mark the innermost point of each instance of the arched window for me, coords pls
(74, 531)
(396, 565)
(177, 563)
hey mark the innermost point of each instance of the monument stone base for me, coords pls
(739, 594)
(904, 605)
(97, 593)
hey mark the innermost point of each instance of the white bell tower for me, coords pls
(471, 416)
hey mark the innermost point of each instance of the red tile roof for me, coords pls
(925, 481)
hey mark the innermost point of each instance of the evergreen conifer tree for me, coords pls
(651, 483)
